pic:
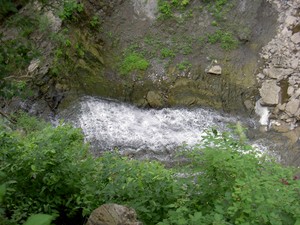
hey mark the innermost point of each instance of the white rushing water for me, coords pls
(109, 124)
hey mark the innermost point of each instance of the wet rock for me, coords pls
(281, 127)
(249, 104)
(270, 92)
(154, 99)
(217, 70)
(293, 135)
(113, 214)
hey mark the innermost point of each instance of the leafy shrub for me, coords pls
(233, 185)
(228, 42)
(15, 56)
(71, 10)
(146, 186)
(49, 170)
(40, 219)
(6, 7)
(167, 53)
(184, 65)
(26, 24)
(133, 62)
(95, 21)
(43, 170)
(167, 7)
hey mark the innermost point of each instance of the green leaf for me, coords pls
(297, 222)
(2, 191)
(39, 219)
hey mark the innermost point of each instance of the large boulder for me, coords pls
(154, 99)
(113, 214)
(296, 38)
(216, 70)
(270, 92)
(292, 106)
(277, 73)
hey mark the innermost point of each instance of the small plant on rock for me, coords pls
(133, 62)
(71, 10)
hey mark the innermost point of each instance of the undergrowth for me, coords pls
(133, 62)
(49, 170)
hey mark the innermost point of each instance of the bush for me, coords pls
(234, 185)
(71, 10)
(133, 62)
(7, 7)
(167, 7)
(146, 186)
(44, 171)
(228, 42)
(184, 65)
(167, 53)
(48, 170)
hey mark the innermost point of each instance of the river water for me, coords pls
(148, 133)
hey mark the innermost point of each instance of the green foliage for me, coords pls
(184, 65)
(167, 7)
(49, 171)
(7, 7)
(219, 8)
(26, 24)
(15, 56)
(39, 219)
(43, 23)
(167, 53)
(28, 123)
(65, 54)
(226, 39)
(2, 192)
(234, 185)
(43, 170)
(146, 186)
(71, 10)
(95, 21)
(133, 62)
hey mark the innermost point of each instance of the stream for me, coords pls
(150, 133)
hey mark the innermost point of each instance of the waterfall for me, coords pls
(109, 124)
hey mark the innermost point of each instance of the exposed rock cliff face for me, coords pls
(280, 77)
(179, 51)
(189, 62)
